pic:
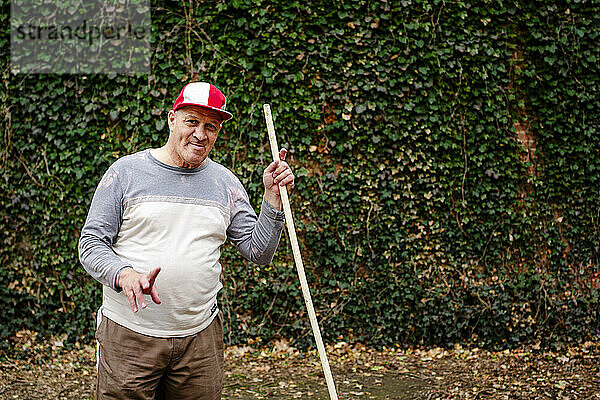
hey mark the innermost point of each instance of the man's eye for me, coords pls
(191, 122)
(211, 127)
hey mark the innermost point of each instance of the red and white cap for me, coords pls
(203, 94)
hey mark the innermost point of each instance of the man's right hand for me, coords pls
(136, 285)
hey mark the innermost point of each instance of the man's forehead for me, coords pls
(195, 111)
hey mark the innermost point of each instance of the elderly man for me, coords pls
(156, 223)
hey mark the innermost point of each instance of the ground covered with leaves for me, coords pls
(49, 370)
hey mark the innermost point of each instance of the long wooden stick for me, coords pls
(289, 221)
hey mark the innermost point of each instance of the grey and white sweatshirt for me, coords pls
(147, 214)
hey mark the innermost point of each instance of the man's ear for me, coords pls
(171, 119)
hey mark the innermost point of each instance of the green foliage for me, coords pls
(423, 217)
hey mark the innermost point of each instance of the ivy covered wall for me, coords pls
(447, 158)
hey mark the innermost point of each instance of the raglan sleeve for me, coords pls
(255, 237)
(101, 229)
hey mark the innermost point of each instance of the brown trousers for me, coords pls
(135, 366)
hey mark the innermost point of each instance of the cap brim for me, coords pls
(226, 115)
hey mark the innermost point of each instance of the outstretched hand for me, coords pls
(277, 174)
(135, 285)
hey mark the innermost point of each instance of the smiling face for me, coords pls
(193, 132)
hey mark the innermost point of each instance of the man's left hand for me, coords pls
(277, 174)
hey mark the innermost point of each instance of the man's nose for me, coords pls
(199, 132)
